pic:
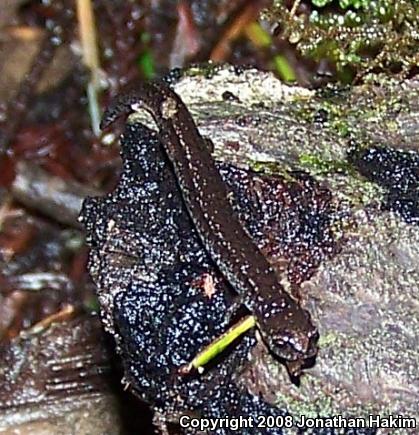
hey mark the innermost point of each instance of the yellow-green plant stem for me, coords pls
(284, 69)
(219, 344)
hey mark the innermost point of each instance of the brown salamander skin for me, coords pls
(285, 327)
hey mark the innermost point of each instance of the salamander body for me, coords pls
(285, 327)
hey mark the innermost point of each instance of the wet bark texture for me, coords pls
(56, 380)
(327, 184)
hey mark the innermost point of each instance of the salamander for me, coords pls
(283, 324)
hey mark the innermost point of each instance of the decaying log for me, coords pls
(349, 154)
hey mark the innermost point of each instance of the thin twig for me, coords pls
(62, 315)
(90, 50)
(18, 107)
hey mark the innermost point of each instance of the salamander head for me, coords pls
(290, 335)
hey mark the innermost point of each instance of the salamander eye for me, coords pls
(289, 333)
(288, 344)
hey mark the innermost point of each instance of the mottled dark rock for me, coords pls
(148, 264)
(395, 170)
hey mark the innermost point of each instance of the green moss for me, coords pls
(207, 70)
(326, 340)
(357, 36)
(317, 165)
(341, 127)
(271, 168)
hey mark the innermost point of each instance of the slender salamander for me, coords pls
(284, 326)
